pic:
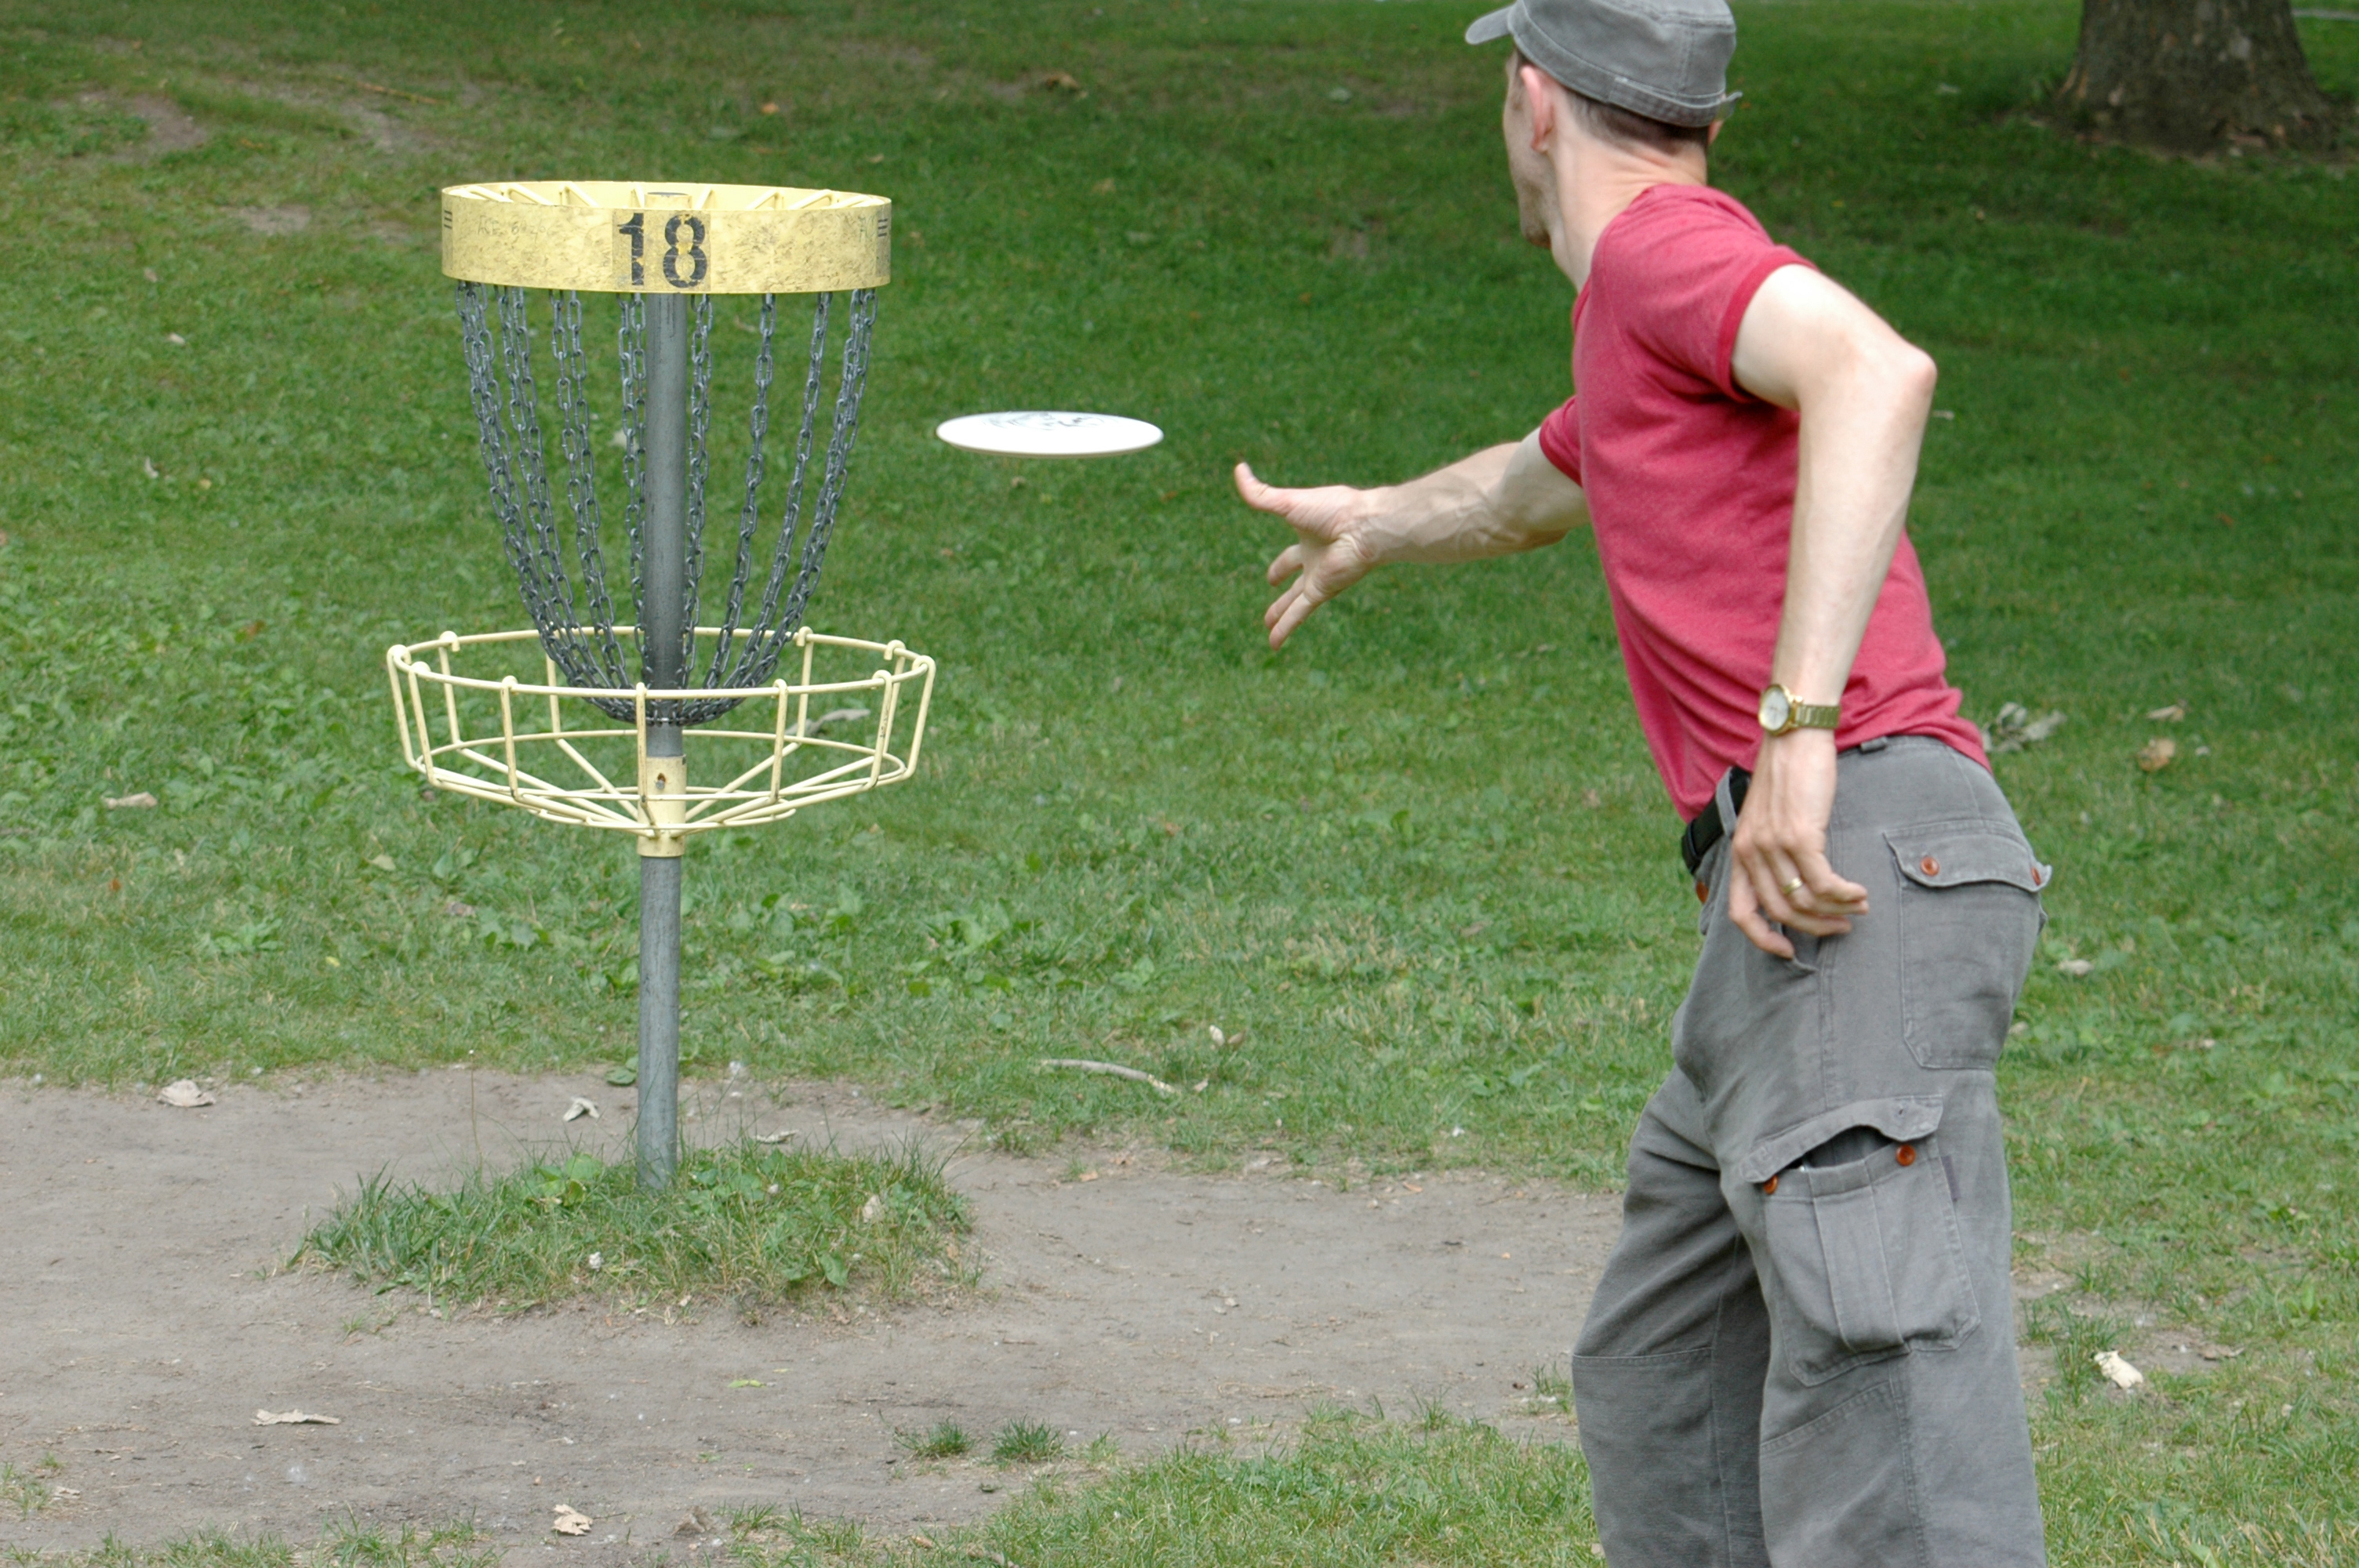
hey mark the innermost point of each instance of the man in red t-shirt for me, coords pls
(1801, 1350)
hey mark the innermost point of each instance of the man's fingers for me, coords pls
(1280, 605)
(1289, 562)
(1824, 892)
(1294, 615)
(1746, 910)
(1777, 888)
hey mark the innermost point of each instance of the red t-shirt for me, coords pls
(1690, 487)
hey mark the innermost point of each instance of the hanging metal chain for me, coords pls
(576, 440)
(853, 381)
(539, 542)
(580, 639)
(760, 660)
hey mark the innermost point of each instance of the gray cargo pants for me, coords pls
(1802, 1352)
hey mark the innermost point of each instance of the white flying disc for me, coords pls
(1038, 435)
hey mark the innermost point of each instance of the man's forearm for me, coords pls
(1857, 462)
(1500, 501)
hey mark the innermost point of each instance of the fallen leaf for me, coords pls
(382, 862)
(177, 340)
(779, 1137)
(874, 1208)
(622, 1078)
(2118, 1371)
(149, 465)
(2076, 967)
(769, 108)
(572, 1520)
(1087, 1176)
(693, 1523)
(2171, 715)
(1062, 80)
(185, 1095)
(747, 1383)
(1218, 1038)
(2218, 1353)
(596, 1261)
(2157, 753)
(139, 802)
(294, 1418)
(2014, 727)
(833, 715)
(1105, 187)
(580, 1108)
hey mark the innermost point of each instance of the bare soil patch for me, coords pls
(149, 1319)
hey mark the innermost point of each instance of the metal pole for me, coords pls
(661, 641)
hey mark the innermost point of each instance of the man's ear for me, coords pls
(1712, 135)
(1536, 84)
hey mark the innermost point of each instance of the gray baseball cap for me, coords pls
(1666, 59)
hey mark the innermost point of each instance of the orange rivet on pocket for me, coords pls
(1930, 866)
(1704, 893)
(1906, 1153)
(1768, 1186)
(2038, 877)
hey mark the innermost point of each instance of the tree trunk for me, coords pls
(2189, 75)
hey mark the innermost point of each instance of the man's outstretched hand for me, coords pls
(1326, 552)
(1781, 841)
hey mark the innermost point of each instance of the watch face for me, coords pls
(1776, 708)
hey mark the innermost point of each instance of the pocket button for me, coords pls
(1768, 1186)
(1906, 1154)
(1930, 866)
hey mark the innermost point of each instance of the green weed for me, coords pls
(1026, 1443)
(28, 1493)
(755, 1223)
(946, 1440)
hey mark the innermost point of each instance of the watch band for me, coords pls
(1815, 715)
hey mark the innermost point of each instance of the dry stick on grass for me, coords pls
(1111, 1070)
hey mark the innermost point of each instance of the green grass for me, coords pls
(946, 1440)
(1421, 859)
(1026, 1443)
(347, 1543)
(754, 1225)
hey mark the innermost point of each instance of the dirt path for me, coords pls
(142, 1324)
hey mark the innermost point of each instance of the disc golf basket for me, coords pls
(586, 718)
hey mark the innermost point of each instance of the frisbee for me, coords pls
(1047, 435)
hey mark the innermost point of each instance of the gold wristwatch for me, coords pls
(1781, 715)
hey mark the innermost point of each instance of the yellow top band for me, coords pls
(642, 237)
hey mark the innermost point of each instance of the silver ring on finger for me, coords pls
(1789, 887)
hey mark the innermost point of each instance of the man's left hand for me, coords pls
(1781, 872)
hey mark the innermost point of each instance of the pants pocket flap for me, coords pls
(1903, 1118)
(1951, 857)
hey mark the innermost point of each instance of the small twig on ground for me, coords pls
(1111, 1070)
(396, 92)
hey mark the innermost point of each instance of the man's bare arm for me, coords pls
(1863, 393)
(1500, 501)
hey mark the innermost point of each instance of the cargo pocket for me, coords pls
(1865, 1260)
(1968, 923)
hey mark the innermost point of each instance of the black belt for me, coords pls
(1707, 829)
